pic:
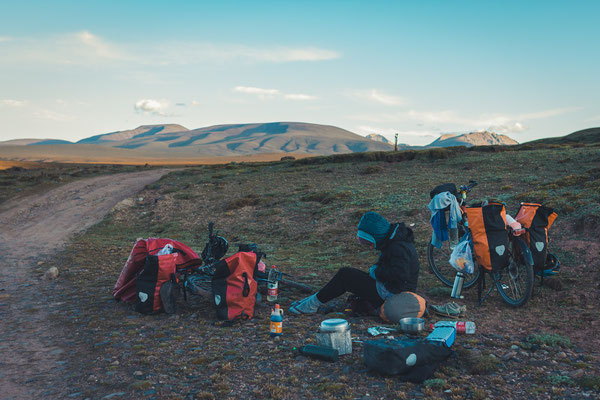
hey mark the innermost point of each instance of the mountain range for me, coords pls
(172, 140)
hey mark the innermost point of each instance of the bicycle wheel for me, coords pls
(439, 263)
(300, 286)
(515, 282)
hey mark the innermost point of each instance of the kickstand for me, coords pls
(482, 299)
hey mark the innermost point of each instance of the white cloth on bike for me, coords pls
(168, 249)
(439, 202)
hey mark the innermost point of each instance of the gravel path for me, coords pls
(32, 229)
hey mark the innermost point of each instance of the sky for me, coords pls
(74, 69)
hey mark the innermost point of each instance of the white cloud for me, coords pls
(515, 127)
(196, 103)
(151, 106)
(87, 48)
(13, 103)
(451, 120)
(255, 90)
(52, 115)
(299, 96)
(594, 118)
(377, 96)
(272, 93)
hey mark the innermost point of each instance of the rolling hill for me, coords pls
(484, 138)
(590, 135)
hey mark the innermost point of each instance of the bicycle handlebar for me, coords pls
(468, 188)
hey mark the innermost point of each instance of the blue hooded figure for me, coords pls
(396, 269)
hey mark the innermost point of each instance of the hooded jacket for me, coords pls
(398, 264)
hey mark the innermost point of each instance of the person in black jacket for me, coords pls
(396, 270)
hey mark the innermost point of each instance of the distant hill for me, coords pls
(378, 138)
(177, 142)
(32, 142)
(484, 138)
(590, 135)
(239, 139)
(139, 132)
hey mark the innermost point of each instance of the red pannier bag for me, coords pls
(145, 272)
(537, 219)
(490, 235)
(234, 287)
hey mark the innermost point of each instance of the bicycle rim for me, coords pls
(439, 263)
(515, 283)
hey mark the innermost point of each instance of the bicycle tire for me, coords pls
(518, 288)
(297, 285)
(438, 260)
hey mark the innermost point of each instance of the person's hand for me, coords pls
(372, 271)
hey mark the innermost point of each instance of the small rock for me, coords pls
(578, 373)
(40, 263)
(138, 373)
(213, 364)
(116, 362)
(514, 347)
(509, 355)
(52, 273)
(476, 353)
(562, 354)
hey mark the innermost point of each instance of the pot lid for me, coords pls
(334, 325)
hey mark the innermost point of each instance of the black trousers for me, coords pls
(351, 280)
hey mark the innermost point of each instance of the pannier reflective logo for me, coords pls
(500, 250)
(217, 299)
(539, 246)
(143, 297)
(411, 360)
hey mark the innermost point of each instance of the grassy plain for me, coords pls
(303, 214)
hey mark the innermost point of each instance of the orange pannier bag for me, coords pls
(489, 234)
(537, 219)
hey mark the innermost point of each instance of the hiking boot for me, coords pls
(168, 292)
(451, 310)
(309, 305)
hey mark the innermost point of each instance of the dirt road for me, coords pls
(32, 229)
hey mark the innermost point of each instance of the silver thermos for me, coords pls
(458, 285)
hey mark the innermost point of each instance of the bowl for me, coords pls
(412, 325)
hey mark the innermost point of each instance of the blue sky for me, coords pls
(70, 70)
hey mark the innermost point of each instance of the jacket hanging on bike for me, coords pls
(438, 204)
(490, 236)
(398, 263)
(537, 219)
(234, 287)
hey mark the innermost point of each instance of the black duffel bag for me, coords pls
(413, 360)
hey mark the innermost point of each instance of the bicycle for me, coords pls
(438, 258)
(199, 280)
(514, 282)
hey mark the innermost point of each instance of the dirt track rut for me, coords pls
(32, 229)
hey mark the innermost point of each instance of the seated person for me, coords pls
(396, 270)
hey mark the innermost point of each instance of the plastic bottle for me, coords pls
(272, 287)
(467, 327)
(276, 321)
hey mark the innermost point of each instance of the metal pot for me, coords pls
(412, 325)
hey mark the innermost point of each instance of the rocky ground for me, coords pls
(70, 339)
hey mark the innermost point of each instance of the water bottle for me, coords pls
(467, 327)
(458, 285)
(272, 285)
(276, 321)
